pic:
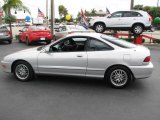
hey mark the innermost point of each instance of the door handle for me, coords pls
(79, 55)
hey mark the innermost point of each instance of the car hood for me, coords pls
(27, 54)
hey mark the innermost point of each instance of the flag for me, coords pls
(1, 12)
(84, 21)
(40, 13)
(107, 11)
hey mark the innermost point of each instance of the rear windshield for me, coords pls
(76, 27)
(118, 42)
(39, 28)
(3, 29)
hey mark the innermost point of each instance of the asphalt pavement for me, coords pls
(67, 98)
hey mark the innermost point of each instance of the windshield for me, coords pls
(118, 42)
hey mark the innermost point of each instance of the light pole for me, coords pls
(52, 17)
(0, 15)
(157, 3)
(132, 4)
(47, 12)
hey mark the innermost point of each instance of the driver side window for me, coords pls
(70, 45)
(116, 15)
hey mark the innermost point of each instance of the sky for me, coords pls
(73, 6)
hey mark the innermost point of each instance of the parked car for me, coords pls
(5, 35)
(134, 21)
(56, 26)
(30, 34)
(68, 29)
(83, 54)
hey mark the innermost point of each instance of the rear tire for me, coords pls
(27, 42)
(99, 28)
(48, 42)
(118, 77)
(23, 71)
(137, 29)
(9, 41)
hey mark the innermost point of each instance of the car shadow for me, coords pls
(4, 43)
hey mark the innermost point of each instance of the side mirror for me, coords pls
(20, 31)
(46, 49)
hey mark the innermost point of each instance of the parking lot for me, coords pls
(67, 98)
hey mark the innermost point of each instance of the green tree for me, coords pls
(62, 12)
(138, 7)
(86, 13)
(93, 12)
(8, 6)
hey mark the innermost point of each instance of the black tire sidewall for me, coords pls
(31, 72)
(135, 27)
(101, 25)
(108, 80)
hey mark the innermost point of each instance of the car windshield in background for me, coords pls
(39, 28)
(4, 29)
(76, 27)
(118, 42)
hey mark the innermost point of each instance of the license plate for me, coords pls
(42, 38)
(1, 34)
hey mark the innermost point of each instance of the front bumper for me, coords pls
(6, 66)
(140, 72)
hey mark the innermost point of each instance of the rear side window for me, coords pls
(96, 45)
(136, 14)
(131, 14)
(118, 42)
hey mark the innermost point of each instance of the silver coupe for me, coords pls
(84, 55)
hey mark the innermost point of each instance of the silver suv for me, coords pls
(134, 21)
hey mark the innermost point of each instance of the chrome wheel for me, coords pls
(22, 72)
(119, 77)
(138, 29)
(99, 28)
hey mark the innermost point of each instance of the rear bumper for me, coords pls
(40, 39)
(148, 27)
(5, 38)
(140, 72)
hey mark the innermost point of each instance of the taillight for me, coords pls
(8, 33)
(147, 59)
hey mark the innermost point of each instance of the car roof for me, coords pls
(89, 34)
(141, 11)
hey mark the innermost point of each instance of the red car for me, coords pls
(30, 34)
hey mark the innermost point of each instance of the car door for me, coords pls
(114, 20)
(64, 58)
(100, 57)
(127, 19)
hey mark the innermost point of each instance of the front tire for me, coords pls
(23, 71)
(10, 41)
(118, 77)
(99, 27)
